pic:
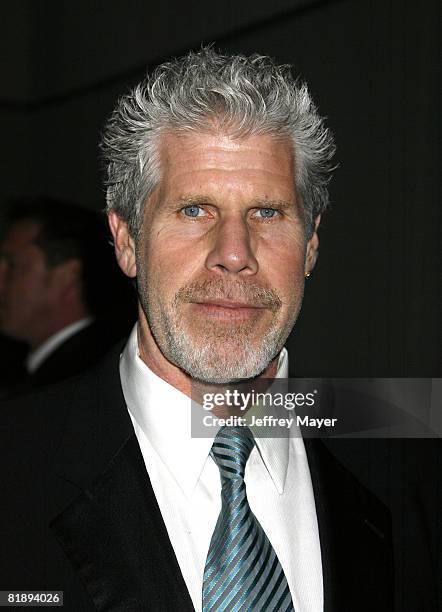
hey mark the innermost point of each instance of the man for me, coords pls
(217, 179)
(54, 263)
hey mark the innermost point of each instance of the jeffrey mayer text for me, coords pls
(210, 420)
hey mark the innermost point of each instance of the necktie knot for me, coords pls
(231, 449)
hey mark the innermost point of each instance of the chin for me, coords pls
(225, 366)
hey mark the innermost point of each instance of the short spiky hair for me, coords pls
(241, 96)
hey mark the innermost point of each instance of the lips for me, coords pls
(228, 295)
(226, 310)
(228, 304)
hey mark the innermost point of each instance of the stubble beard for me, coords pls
(210, 351)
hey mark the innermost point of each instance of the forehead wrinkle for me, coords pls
(219, 149)
(172, 170)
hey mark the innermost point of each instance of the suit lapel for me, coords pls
(112, 530)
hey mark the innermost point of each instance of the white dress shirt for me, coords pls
(187, 486)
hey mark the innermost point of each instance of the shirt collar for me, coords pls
(163, 415)
(275, 451)
(36, 358)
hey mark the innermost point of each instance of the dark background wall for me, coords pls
(372, 306)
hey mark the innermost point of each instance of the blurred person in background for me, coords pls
(58, 286)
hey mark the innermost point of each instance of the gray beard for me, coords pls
(220, 354)
(221, 357)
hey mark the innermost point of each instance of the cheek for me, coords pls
(24, 299)
(41, 284)
(170, 262)
(291, 288)
(26, 287)
(282, 262)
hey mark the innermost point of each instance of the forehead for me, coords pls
(197, 158)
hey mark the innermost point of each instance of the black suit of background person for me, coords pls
(59, 286)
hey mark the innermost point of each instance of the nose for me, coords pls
(231, 249)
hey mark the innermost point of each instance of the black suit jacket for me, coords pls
(76, 354)
(79, 514)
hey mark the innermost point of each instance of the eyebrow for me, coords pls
(195, 200)
(282, 204)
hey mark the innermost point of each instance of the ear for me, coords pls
(312, 251)
(123, 243)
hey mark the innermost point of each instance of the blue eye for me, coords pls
(267, 213)
(192, 211)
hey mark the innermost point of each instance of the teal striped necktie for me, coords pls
(242, 570)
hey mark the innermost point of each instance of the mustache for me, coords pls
(237, 291)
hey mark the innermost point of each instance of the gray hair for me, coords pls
(204, 92)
